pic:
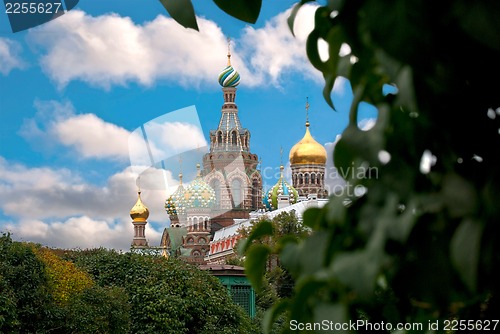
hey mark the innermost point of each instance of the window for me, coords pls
(241, 295)
(236, 192)
(234, 140)
(219, 137)
(216, 186)
(255, 194)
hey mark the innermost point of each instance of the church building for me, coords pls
(228, 187)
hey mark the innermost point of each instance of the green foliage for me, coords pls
(421, 243)
(165, 296)
(41, 293)
(183, 12)
(26, 295)
(65, 280)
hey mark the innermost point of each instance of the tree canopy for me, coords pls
(421, 243)
(102, 291)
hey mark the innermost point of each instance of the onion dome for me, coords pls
(139, 212)
(308, 151)
(229, 77)
(174, 205)
(282, 187)
(199, 194)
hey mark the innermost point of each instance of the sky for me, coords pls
(77, 91)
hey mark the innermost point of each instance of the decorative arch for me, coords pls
(237, 192)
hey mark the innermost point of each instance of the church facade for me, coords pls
(228, 185)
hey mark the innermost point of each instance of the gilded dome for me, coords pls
(281, 187)
(199, 194)
(308, 151)
(174, 205)
(139, 212)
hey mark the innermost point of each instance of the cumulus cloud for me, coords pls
(56, 207)
(10, 56)
(57, 123)
(273, 51)
(112, 50)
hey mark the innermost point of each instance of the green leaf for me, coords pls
(273, 313)
(358, 270)
(312, 218)
(293, 14)
(465, 249)
(255, 264)
(263, 228)
(182, 11)
(333, 313)
(244, 10)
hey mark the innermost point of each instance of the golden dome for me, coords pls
(308, 151)
(139, 212)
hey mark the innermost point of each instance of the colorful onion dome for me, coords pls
(199, 194)
(308, 151)
(139, 212)
(229, 77)
(174, 205)
(281, 187)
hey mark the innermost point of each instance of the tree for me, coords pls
(165, 296)
(422, 243)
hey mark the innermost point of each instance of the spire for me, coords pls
(307, 111)
(281, 161)
(180, 169)
(228, 51)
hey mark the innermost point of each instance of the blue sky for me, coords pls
(72, 92)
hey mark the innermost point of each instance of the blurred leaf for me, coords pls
(273, 313)
(312, 217)
(459, 195)
(333, 313)
(357, 270)
(465, 250)
(255, 264)
(182, 11)
(244, 10)
(263, 228)
(293, 14)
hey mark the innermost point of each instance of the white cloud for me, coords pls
(112, 50)
(56, 123)
(56, 207)
(10, 56)
(87, 133)
(273, 51)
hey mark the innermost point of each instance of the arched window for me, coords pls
(234, 140)
(236, 192)
(219, 137)
(306, 178)
(255, 194)
(215, 184)
(300, 179)
(313, 178)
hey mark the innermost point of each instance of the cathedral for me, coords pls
(228, 185)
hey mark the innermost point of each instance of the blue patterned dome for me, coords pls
(281, 187)
(229, 77)
(199, 194)
(174, 205)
